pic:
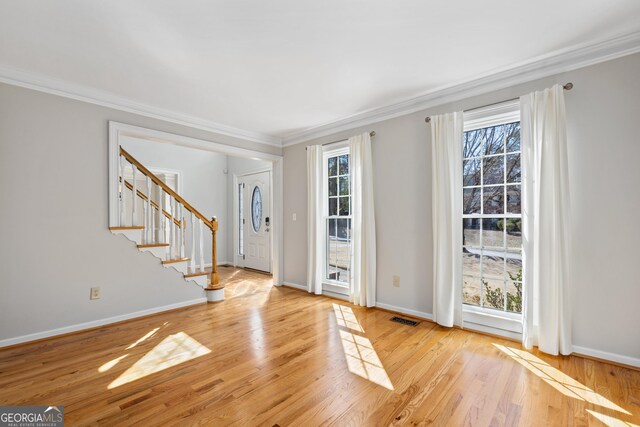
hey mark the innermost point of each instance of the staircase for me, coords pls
(162, 223)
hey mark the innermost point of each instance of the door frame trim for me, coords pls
(236, 209)
(118, 130)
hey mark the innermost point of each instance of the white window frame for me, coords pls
(335, 149)
(482, 318)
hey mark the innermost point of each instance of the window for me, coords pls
(491, 216)
(337, 212)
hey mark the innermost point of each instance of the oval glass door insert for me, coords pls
(256, 209)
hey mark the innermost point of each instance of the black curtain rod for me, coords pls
(568, 86)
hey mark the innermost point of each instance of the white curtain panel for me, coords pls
(314, 219)
(545, 219)
(363, 250)
(446, 167)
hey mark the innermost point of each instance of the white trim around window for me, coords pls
(336, 149)
(484, 319)
(492, 115)
(492, 321)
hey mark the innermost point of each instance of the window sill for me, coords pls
(492, 321)
(335, 288)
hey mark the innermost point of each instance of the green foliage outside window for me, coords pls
(495, 297)
(513, 225)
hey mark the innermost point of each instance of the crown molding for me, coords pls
(560, 61)
(556, 62)
(65, 89)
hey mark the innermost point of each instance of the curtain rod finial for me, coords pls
(372, 133)
(568, 86)
(427, 119)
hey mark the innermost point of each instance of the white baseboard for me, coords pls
(324, 292)
(415, 313)
(95, 323)
(613, 357)
(477, 327)
(295, 285)
(335, 295)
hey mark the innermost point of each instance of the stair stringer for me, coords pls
(199, 281)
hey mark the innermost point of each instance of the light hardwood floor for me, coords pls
(270, 355)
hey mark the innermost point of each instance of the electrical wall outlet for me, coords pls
(95, 293)
(295, 216)
(396, 281)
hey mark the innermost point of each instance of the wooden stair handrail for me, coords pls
(165, 187)
(212, 224)
(153, 204)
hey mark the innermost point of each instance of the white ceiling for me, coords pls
(281, 66)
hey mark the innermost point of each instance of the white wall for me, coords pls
(604, 149)
(238, 166)
(204, 183)
(54, 237)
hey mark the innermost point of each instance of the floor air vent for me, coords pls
(404, 321)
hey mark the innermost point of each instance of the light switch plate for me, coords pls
(95, 293)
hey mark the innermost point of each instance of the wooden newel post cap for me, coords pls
(214, 223)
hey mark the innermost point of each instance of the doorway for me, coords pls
(120, 132)
(254, 220)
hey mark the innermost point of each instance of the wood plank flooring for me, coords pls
(278, 356)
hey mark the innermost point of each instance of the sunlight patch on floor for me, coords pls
(240, 283)
(148, 335)
(363, 360)
(110, 364)
(611, 421)
(559, 380)
(258, 340)
(345, 317)
(173, 350)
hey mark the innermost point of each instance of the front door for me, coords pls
(256, 220)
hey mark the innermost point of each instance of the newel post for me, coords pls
(215, 279)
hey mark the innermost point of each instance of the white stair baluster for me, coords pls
(161, 237)
(154, 226)
(176, 229)
(143, 236)
(148, 227)
(176, 242)
(172, 227)
(134, 197)
(122, 186)
(192, 263)
(182, 230)
(201, 247)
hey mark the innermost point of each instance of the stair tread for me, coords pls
(214, 288)
(133, 227)
(197, 273)
(152, 245)
(170, 261)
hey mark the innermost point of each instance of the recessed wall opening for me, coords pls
(234, 185)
